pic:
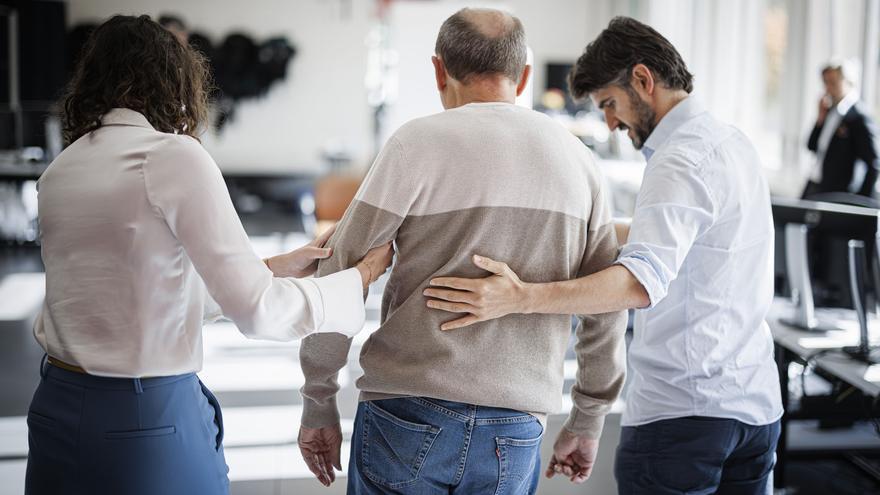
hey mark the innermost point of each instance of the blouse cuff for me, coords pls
(341, 302)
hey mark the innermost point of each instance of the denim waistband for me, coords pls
(481, 415)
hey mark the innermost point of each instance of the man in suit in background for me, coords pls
(844, 134)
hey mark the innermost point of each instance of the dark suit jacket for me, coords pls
(854, 139)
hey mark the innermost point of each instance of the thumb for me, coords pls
(318, 253)
(489, 264)
(335, 455)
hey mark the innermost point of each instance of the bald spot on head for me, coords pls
(482, 42)
(490, 23)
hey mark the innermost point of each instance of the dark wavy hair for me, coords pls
(626, 42)
(133, 62)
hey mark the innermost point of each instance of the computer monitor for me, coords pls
(813, 255)
(831, 247)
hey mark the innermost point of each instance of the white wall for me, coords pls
(556, 31)
(321, 102)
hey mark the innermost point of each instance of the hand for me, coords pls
(320, 449)
(302, 262)
(374, 264)
(824, 107)
(573, 456)
(482, 298)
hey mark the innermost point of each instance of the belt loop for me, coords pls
(43, 365)
(138, 388)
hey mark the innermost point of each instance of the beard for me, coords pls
(645, 116)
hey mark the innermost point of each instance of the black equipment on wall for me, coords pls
(243, 69)
(27, 96)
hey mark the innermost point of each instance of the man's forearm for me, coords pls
(612, 289)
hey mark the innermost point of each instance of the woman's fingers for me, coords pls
(380, 259)
(316, 253)
(323, 238)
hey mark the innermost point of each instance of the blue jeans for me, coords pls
(696, 455)
(91, 435)
(417, 445)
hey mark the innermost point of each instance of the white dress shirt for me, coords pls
(138, 235)
(701, 243)
(829, 127)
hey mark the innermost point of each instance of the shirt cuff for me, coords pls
(341, 307)
(644, 272)
(318, 415)
(212, 311)
(584, 425)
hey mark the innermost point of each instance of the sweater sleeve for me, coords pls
(372, 219)
(600, 348)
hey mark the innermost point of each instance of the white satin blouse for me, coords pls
(139, 236)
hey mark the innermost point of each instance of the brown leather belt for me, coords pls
(68, 367)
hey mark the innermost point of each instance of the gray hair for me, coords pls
(467, 50)
(849, 68)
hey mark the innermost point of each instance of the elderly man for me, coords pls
(844, 134)
(703, 406)
(464, 412)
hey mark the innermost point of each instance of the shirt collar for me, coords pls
(125, 116)
(685, 110)
(847, 102)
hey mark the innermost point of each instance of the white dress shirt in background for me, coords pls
(138, 233)
(701, 243)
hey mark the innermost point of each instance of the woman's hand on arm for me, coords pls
(302, 262)
(374, 263)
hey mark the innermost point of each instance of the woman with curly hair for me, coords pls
(141, 244)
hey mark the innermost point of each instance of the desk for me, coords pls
(795, 345)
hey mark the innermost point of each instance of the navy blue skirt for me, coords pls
(92, 435)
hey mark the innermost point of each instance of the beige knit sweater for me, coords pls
(492, 179)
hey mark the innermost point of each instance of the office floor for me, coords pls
(257, 383)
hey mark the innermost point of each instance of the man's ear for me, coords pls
(439, 73)
(642, 80)
(523, 80)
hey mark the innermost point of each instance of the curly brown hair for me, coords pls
(133, 62)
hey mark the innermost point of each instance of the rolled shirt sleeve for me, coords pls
(673, 208)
